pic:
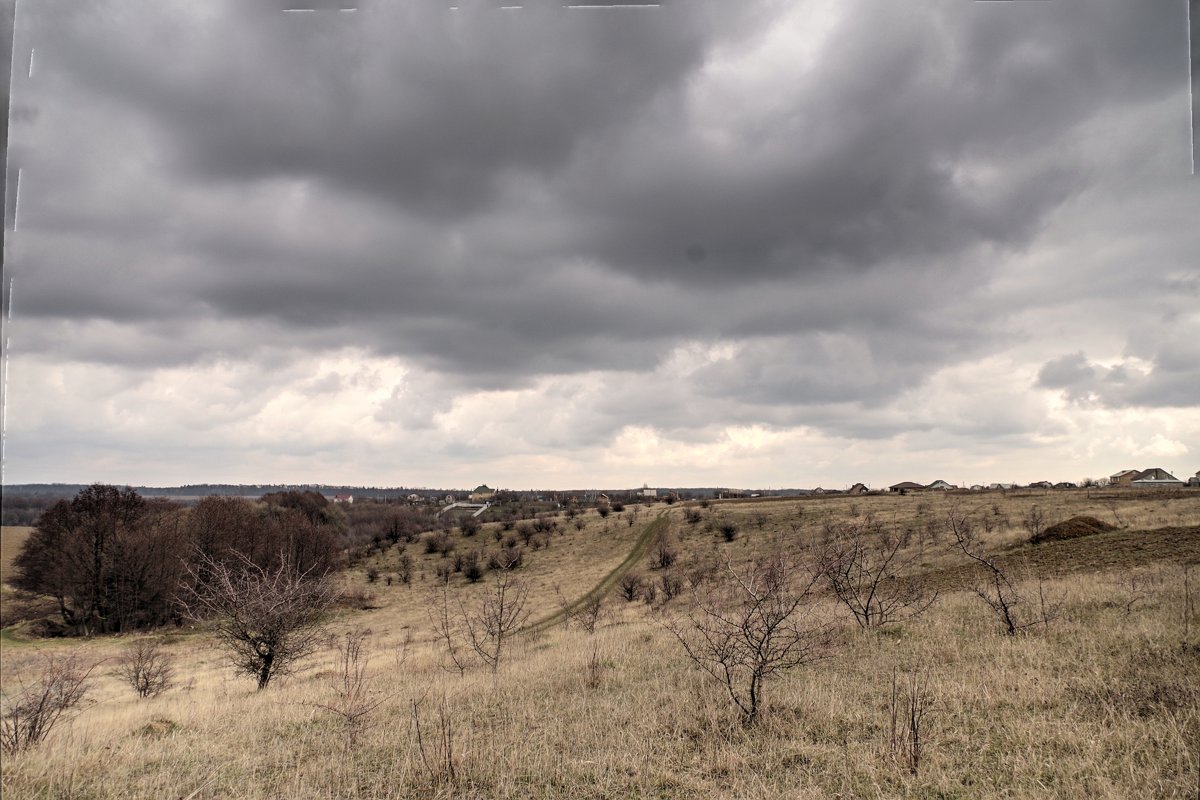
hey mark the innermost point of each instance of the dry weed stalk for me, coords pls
(909, 706)
(437, 752)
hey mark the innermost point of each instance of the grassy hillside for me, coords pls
(1103, 703)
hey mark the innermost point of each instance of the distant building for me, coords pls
(942, 485)
(857, 488)
(1041, 485)
(906, 486)
(648, 492)
(414, 498)
(343, 498)
(1065, 485)
(1156, 478)
(1123, 478)
(1195, 479)
(482, 493)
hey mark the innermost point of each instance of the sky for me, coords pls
(753, 244)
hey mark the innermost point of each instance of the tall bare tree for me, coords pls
(266, 617)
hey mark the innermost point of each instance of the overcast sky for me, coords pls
(752, 244)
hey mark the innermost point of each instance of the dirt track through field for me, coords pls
(648, 538)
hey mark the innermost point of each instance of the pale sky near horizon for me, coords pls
(760, 243)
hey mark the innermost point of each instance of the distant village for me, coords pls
(483, 497)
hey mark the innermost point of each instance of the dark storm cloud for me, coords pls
(498, 197)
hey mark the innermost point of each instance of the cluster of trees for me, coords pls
(114, 561)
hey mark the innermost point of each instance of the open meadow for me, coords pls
(1096, 695)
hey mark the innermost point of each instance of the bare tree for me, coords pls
(147, 669)
(864, 570)
(752, 626)
(30, 712)
(267, 618)
(353, 697)
(501, 613)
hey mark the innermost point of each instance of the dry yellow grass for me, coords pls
(1105, 704)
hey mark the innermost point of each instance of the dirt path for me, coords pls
(641, 548)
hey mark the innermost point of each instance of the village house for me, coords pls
(1155, 478)
(942, 485)
(906, 486)
(857, 488)
(343, 498)
(1123, 478)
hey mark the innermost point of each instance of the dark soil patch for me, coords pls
(1073, 529)
(1107, 550)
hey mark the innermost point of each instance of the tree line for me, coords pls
(115, 561)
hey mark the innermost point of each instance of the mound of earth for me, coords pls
(1073, 529)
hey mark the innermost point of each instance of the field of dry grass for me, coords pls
(1104, 703)
(11, 539)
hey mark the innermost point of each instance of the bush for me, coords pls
(729, 530)
(32, 711)
(146, 668)
(631, 586)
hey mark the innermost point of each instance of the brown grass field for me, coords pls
(11, 539)
(1103, 703)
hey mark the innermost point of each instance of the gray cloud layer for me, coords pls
(847, 195)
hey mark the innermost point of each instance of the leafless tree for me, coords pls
(147, 668)
(498, 616)
(865, 570)
(353, 697)
(267, 618)
(753, 625)
(30, 711)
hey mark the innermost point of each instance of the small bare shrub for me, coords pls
(865, 572)
(499, 615)
(30, 711)
(729, 529)
(448, 630)
(586, 613)
(692, 515)
(665, 554)
(630, 586)
(353, 698)
(147, 669)
(436, 748)
(753, 625)
(996, 589)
